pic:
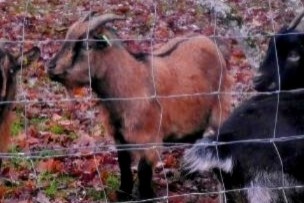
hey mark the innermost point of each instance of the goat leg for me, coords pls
(145, 174)
(125, 190)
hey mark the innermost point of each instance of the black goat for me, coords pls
(256, 164)
(286, 54)
(259, 151)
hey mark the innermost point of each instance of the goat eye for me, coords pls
(85, 45)
(293, 56)
(76, 50)
(82, 45)
(79, 45)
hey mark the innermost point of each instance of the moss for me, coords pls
(57, 129)
(113, 182)
(95, 195)
(17, 127)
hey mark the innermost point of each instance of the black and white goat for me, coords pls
(259, 151)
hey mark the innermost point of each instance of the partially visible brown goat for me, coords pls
(9, 66)
(181, 74)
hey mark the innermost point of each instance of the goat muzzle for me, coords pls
(52, 73)
(263, 85)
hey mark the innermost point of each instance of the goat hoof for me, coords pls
(148, 194)
(123, 196)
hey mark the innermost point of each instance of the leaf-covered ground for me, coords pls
(61, 147)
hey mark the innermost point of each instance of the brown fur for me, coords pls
(176, 91)
(181, 116)
(5, 128)
(160, 49)
(8, 88)
(9, 66)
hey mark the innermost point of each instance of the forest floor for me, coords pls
(62, 150)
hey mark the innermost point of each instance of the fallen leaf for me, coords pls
(50, 165)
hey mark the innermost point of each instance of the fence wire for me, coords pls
(158, 14)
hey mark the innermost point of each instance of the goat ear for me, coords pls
(28, 57)
(102, 42)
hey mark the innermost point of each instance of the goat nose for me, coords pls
(51, 66)
(258, 81)
(258, 74)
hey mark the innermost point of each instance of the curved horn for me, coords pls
(87, 16)
(87, 24)
(101, 20)
(294, 23)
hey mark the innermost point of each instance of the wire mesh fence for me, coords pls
(62, 148)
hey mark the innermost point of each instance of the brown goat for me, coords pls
(9, 66)
(151, 98)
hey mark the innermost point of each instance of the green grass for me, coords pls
(48, 153)
(17, 127)
(95, 194)
(39, 123)
(53, 182)
(112, 182)
(52, 189)
(73, 136)
(14, 149)
(18, 161)
(57, 129)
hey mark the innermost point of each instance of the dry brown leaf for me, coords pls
(50, 165)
